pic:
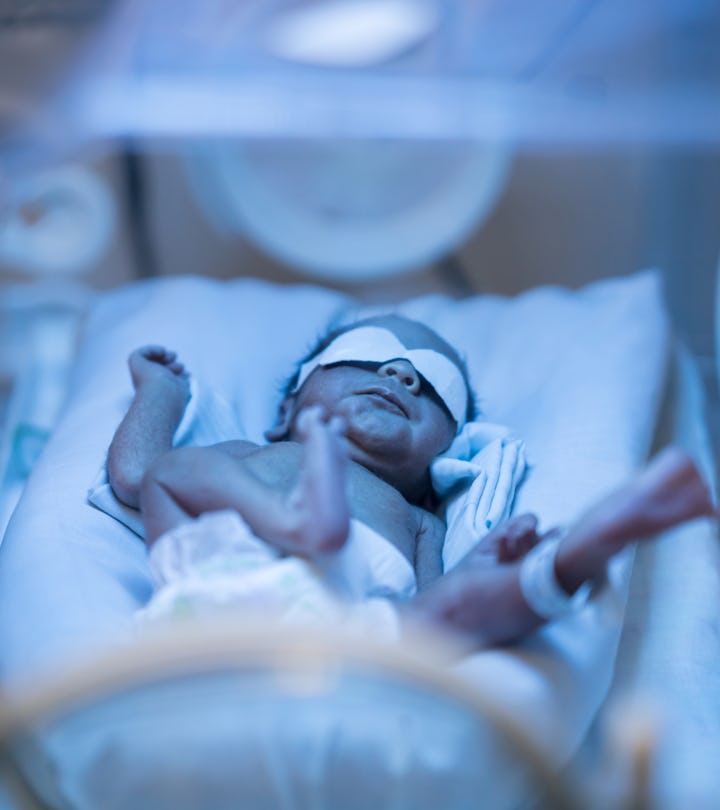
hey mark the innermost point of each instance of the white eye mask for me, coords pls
(372, 344)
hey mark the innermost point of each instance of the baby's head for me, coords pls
(402, 390)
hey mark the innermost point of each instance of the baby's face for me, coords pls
(396, 422)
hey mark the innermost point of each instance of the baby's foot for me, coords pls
(669, 491)
(319, 499)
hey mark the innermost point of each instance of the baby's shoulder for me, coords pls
(276, 463)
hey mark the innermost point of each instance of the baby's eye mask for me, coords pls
(372, 344)
(425, 387)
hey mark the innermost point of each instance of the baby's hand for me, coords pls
(517, 536)
(313, 421)
(507, 542)
(318, 501)
(156, 365)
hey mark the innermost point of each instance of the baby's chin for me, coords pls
(390, 461)
(377, 431)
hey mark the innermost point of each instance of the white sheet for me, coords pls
(669, 652)
(578, 375)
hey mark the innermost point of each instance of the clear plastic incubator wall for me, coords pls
(539, 183)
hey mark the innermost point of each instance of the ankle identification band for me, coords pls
(373, 344)
(540, 587)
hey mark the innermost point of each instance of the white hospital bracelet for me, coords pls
(538, 583)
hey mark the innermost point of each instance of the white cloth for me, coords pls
(540, 587)
(215, 561)
(476, 478)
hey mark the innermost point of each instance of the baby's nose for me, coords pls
(405, 373)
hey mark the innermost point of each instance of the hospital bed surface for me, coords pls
(579, 376)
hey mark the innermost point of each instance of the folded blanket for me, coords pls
(476, 478)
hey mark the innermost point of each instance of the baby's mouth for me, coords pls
(387, 400)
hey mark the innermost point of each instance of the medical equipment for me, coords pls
(60, 223)
(259, 677)
(603, 398)
(426, 81)
(566, 72)
(330, 90)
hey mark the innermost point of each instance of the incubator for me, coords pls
(228, 177)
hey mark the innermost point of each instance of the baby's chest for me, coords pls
(370, 500)
(383, 509)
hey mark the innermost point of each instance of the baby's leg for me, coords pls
(486, 603)
(667, 492)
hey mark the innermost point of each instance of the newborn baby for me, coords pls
(348, 464)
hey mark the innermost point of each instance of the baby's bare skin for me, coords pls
(318, 497)
(481, 597)
(485, 603)
(300, 496)
(162, 391)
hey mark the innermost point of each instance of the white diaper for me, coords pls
(216, 562)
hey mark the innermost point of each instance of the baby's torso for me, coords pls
(371, 501)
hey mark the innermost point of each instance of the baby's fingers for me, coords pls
(309, 419)
(158, 353)
(152, 351)
(178, 369)
(337, 425)
(519, 535)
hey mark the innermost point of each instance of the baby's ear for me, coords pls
(281, 428)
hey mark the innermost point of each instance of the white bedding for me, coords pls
(669, 652)
(578, 375)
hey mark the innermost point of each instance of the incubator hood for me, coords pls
(378, 133)
(536, 73)
(550, 74)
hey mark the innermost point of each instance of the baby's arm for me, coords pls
(428, 548)
(507, 542)
(146, 432)
(486, 602)
(312, 518)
